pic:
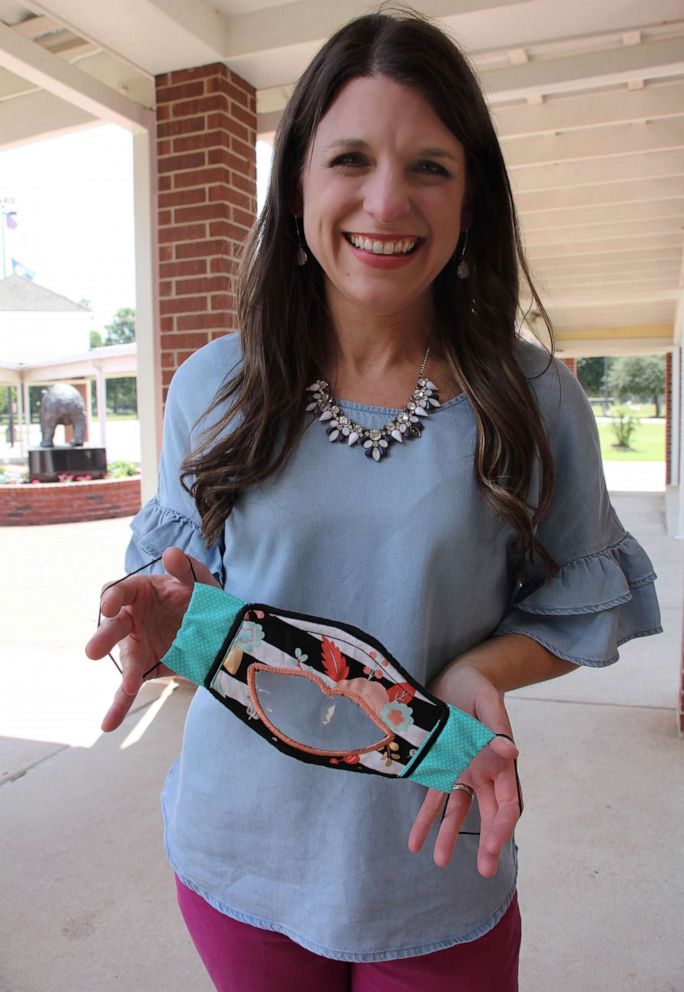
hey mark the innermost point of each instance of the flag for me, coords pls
(21, 270)
(11, 220)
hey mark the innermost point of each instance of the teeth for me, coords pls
(382, 247)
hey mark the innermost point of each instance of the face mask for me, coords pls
(322, 692)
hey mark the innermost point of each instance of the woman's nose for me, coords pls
(386, 196)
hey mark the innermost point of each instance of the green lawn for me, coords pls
(648, 443)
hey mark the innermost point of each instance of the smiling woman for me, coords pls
(378, 305)
(381, 201)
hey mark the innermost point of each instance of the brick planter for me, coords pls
(68, 502)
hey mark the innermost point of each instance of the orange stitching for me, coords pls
(251, 684)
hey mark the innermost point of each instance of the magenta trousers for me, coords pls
(243, 958)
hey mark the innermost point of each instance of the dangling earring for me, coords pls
(463, 269)
(302, 257)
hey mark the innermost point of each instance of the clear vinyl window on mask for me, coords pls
(329, 694)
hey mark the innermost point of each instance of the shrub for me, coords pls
(623, 425)
(121, 469)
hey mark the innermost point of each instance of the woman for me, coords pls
(481, 550)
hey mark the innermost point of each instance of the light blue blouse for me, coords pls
(407, 550)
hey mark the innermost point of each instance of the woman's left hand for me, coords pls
(491, 774)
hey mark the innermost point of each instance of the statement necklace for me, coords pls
(376, 441)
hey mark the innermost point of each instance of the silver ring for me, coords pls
(459, 787)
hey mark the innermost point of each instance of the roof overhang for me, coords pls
(588, 100)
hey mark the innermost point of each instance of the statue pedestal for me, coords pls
(47, 464)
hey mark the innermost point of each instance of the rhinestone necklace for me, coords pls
(376, 441)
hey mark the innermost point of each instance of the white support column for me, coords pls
(27, 413)
(23, 442)
(89, 410)
(676, 417)
(101, 391)
(678, 433)
(146, 311)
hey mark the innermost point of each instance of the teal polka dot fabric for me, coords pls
(210, 615)
(459, 742)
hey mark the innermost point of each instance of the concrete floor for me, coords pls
(88, 899)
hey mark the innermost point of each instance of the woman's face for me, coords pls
(383, 189)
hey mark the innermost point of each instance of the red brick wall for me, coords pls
(570, 363)
(65, 503)
(206, 152)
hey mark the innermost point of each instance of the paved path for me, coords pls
(87, 897)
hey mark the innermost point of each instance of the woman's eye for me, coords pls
(349, 160)
(432, 169)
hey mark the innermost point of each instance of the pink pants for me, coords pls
(242, 958)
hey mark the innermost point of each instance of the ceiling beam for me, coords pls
(612, 298)
(26, 59)
(607, 267)
(309, 21)
(194, 33)
(635, 191)
(604, 214)
(664, 246)
(560, 288)
(583, 111)
(601, 345)
(623, 227)
(635, 315)
(579, 267)
(21, 118)
(584, 71)
(588, 172)
(608, 142)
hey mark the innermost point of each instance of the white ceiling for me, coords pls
(588, 99)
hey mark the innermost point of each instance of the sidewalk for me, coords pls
(88, 902)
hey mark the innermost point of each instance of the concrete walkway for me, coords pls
(87, 899)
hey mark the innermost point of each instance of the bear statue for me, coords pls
(62, 404)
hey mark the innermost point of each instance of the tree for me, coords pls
(591, 374)
(4, 397)
(122, 328)
(95, 339)
(639, 377)
(121, 395)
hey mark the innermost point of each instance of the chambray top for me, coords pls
(409, 551)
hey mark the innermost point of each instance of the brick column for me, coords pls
(570, 363)
(206, 149)
(668, 418)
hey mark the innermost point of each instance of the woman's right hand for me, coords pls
(142, 615)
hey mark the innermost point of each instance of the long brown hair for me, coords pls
(284, 319)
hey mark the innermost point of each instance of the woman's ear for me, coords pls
(467, 215)
(295, 203)
(467, 209)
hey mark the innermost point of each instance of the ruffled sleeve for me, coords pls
(170, 519)
(157, 527)
(603, 593)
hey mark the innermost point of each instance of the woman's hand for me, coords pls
(491, 775)
(142, 615)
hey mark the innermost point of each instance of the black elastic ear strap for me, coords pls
(112, 584)
(521, 804)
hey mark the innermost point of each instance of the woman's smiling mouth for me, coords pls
(383, 246)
